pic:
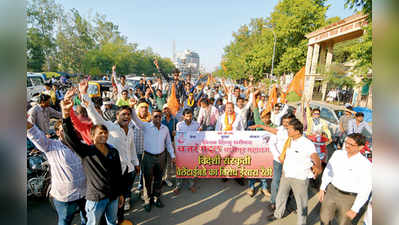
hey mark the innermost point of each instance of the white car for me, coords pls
(34, 85)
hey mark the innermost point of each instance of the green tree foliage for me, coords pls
(42, 16)
(362, 51)
(251, 51)
(35, 50)
(70, 42)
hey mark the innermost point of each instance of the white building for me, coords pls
(188, 62)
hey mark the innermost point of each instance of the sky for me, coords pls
(204, 26)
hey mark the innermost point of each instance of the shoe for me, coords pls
(169, 183)
(127, 204)
(193, 189)
(158, 203)
(176, 191)
(240, 181)
(147, 207)
(272, 207)
(271, 218)
(251, 192)
(266, 192)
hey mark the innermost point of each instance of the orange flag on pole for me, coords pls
(298, 82)
(173, 103)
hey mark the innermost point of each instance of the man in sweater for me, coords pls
(102, 166)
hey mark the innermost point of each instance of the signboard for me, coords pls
(216, 154)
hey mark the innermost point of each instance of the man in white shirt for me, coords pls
(208, 115)
(121, 137)
(346, 182)
(276, 147)
(242, 109)
(277, 113)
(156, 140)
(122, 85)
(300, 162)
(232, 122)
(188, 124)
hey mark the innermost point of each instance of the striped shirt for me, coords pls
(68, 180)
(41, 117)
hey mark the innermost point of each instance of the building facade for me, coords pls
(188, 62)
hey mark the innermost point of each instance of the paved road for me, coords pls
(215, 203)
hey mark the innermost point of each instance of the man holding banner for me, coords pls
(230, 121)
(188, 124)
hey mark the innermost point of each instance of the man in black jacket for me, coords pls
(102, 167)
(180, 92)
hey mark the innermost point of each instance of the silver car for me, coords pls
(329, 112)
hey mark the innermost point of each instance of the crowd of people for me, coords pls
(104, 144)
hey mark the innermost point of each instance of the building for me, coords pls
(188, 62)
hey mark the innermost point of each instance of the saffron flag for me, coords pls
(297, 84)
(173, 103)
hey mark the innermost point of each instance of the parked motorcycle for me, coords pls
(38, 175)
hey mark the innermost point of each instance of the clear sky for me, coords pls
(204, 26)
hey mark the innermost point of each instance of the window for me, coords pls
(92, 89)
(28, 82)
(36, 81)
(339, 113)
(328, 115)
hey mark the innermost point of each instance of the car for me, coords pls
(132, 81)
(99, 88)
(34, 84)
(329, 112)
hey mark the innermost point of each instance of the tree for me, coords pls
(74, 40)
(42, 15)
(292, 20)
(35, 50)
(362, 51)
(251, 51)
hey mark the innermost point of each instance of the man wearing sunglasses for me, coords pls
(156, 140)
(346, 182)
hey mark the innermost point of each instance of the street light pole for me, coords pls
(274, 46)
(274, 50)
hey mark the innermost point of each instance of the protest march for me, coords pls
(103, 147)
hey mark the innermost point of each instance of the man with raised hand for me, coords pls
(156, 140)
(102, 166)
(122, 85)
(68, 180)
(121, 137)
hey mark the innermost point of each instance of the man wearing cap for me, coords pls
(346, 182)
